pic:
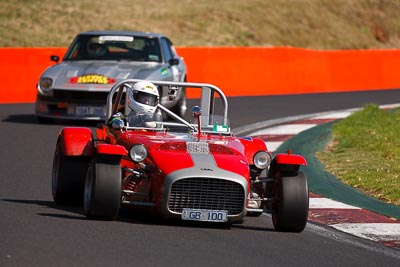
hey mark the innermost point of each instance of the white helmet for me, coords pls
(143, 98)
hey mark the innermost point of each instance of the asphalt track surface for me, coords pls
(36, 232)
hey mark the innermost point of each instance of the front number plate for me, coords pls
(205, 215)
(90, 110)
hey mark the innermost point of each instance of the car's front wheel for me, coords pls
(102, 197)
(68, 177)
(290, 203)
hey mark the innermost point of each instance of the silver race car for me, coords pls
(77, 87)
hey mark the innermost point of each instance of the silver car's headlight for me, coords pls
(45, 85)
(262, 159)
(138, 153)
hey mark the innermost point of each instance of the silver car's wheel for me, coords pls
(102, 197)
(290, 203)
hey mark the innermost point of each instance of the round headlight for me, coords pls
(138, 153)
(262, 159)
(45, 85)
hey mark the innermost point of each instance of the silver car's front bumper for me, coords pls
(84, 105)
(69, 110)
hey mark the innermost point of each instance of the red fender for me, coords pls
(107, 149)
(76, 141)
(292, 159)
(251, 146)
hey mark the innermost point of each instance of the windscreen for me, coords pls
(114, 47)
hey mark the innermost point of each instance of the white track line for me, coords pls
(284, 129)
(335, 115)
(272, 146)
(325, 203)
(372, 231)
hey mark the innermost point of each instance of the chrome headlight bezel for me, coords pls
(138, 153)
(45, 85)
(262, 159)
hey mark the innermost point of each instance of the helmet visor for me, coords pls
(146, 98)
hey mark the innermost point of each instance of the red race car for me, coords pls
(149, 159)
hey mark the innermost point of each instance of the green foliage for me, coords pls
(365, 152)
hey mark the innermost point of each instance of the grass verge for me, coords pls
(365, 152)
(318, 24)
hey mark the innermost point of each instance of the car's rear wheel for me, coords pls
(102, 197)
(290, 203)
(68, 177)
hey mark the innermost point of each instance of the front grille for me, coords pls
(66, 95)
(207, 193)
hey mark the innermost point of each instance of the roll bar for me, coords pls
(207, 96)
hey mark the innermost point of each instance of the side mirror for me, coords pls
(173, 61)
(55, 58)
(196, 111)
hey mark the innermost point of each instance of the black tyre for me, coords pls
(290, 203)
(102, 197)
(68, 177)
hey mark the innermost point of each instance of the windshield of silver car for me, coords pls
(109, 47)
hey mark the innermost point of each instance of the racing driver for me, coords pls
(142, 101)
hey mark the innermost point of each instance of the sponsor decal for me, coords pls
(164, 72)
(220, 128)
(92, 78)
(122, 38)
(150, 88)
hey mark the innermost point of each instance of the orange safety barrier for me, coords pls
(239, 71)
(285, 70)
(20, 69)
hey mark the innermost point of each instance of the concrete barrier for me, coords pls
(239, 71)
